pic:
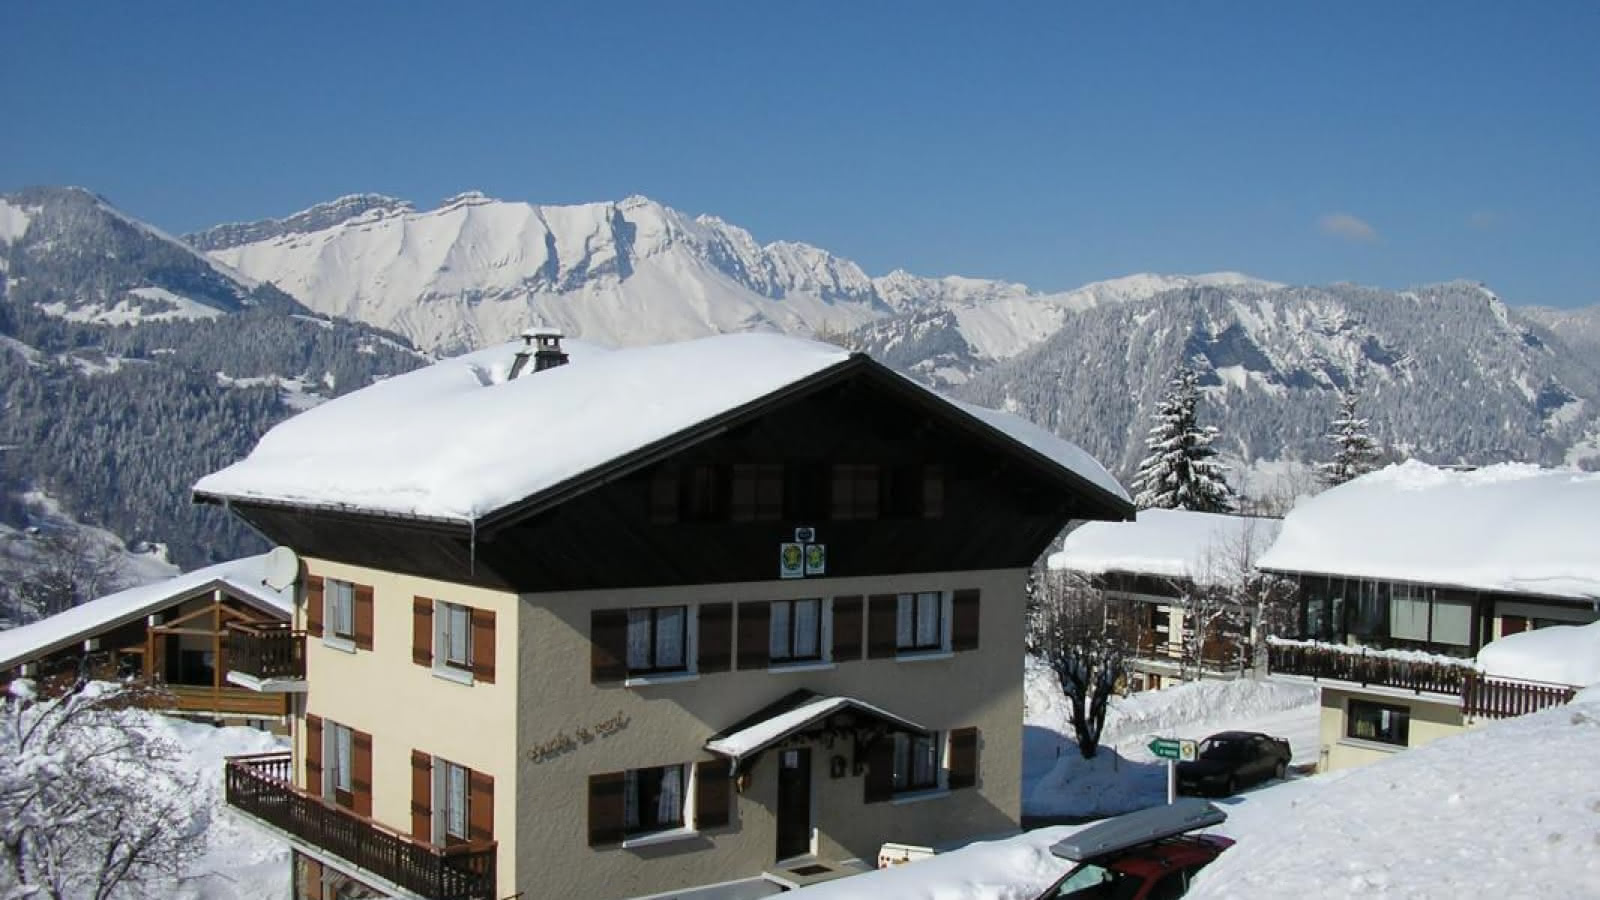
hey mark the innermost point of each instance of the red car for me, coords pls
(1146, 855)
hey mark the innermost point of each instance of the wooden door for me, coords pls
(794, 803)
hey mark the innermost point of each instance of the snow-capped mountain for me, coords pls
(477, 270)
(1447, 373)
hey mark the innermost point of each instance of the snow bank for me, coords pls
(1172, 543)
(1560, 654)
(1014, 869)
(242, 576)
(1512, 527)
(457, 440)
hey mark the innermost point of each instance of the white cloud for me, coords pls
(1347, 227)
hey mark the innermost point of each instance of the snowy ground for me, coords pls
(1509, 810)
(1125, 775)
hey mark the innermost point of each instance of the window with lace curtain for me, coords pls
(796, 631)
(652, 799)
(658, 638)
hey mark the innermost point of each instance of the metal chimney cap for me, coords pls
(544, 331)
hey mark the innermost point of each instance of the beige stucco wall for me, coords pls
(1430, 720)
(404, 706)
(670, 723)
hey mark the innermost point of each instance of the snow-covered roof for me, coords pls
(242, 578)
(1170, 543)
(764, 733)
(1513, 527)
(1559, 654)
(458, 440)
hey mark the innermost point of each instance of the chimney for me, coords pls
(543, 346)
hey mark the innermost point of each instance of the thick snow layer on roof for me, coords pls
(1057, 449)
(1172, 543)
(458, 440)
(243, 576)
(1512, 527)
(1561, 654)
(758, 736)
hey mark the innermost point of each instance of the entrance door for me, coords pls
(794, 803)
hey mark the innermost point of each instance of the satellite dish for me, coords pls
(283, 568)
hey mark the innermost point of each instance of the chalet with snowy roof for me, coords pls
(177, 634)
(1410, 576)
(624, 622)
(1164, 573)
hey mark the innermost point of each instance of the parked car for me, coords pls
(1146, 855)
(1230, 760)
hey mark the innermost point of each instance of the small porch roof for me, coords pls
(794, 714)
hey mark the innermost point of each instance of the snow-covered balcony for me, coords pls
(267, 656)
(260, 787)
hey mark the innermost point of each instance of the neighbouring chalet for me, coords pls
(174, 634)
(735, 609)
(1164, 572)
(1406, 574)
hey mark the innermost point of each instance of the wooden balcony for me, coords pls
(1364, 668)
(266, 653)
(1497, 698)
(231, 701)
(260, 786)
(1219, 655)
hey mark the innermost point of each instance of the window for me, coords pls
(339, 608)
(339, 751)
(855, 491)
(652, 799)
(757, 492)
(450, 816)
(916, 762)
(1379, 722)
(658, 639)
(454, 638)
(919, 621)
(796, 629)
(913, 491)
(704, 494)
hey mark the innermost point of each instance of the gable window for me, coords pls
(454, 638)
(658, 639)
(1381, 722)
(855, 491)
(652, 799)
(757, 492)
(913, 491)
(339, 608)
(919, 621)
(916, 762)
(705, 496)
(796, 631)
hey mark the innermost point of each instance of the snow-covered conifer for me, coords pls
(1355, 452)
(1181, 470)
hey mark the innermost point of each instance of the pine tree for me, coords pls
(1182, 471)
(1355, 452)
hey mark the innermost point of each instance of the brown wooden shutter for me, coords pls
(964, 620)
(716, 637)
(606, 809)
(483, 645)
(480, 806)
(361, 774)
(963, 757)
(711, 796)
(879, 783)
(755, 636)
(363, 593)
(314, 605)
(313, 783)
(421, 797)
(608, 645)
(422, 631)
(882, 610)
(846, 629)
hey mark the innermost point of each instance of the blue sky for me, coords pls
(1383, 143)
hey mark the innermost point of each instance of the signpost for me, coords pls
(1172, 750)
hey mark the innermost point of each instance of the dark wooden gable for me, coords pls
(929, 491)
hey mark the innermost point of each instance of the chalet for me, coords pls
(174, 633)
(610, 623)
(1164, 573)
(1406, 574)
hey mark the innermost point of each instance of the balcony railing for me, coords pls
(1219, 653)
(267, 650)
(1364, 668)
(1495, 698)
(261, 786)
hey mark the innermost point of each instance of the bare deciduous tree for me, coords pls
(93, 805)
(1088, 651)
